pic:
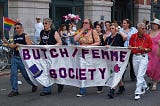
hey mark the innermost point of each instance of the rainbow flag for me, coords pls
(8, 23)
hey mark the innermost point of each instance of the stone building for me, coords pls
(96, 10)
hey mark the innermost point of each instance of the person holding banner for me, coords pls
(49, 36)
(117, 38)
(140, 44)
(16, 62)
(86, 37)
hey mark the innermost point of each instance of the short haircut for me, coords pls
(141, 25)
(47, 20)
(19, 24)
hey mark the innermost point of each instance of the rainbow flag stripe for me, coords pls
(8, 23)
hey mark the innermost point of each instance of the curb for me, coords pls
(4, 73)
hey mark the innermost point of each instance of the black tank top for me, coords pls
(21, 40)
(47, 37)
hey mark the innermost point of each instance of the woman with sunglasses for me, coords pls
(116, 38)
(86, 37)
(49, 36)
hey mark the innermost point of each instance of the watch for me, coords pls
(145, 49)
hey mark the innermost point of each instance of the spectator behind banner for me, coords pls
(38, 27)
(129, 30)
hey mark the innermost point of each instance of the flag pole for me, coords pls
(3, 28)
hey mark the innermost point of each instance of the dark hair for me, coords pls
(19, 24)
(108, 22)
(61, 27)
(128, 22)
(98, 25)
(95, 24)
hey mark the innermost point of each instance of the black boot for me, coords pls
(60, 88)
(111, 93)
(121, 90)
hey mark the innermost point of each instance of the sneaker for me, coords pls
(13, 93)
(98, 92)
(34, 88)
(45, 93)
(111, 93)
(143, 91)
(80, 95)
(121, 90)
(137, 96)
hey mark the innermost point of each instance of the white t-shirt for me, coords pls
(38, 28)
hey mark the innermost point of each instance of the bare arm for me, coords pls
(28, 40)
(124, 36)
(76, 37)
(158, 52)
(58, 38)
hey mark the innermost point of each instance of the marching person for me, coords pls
(49, 36)
(140, 44)
(87, 37)
(158, 51)
(16, 62)
(116, 38)
(153, 70)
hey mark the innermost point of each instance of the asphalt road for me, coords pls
(68, 96)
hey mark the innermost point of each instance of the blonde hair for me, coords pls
(47, 20)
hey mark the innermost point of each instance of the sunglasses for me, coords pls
(85, 23)
(112, 28)
(45, 23)
(17, 28)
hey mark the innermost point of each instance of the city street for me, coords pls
(68, 96)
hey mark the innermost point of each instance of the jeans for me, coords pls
(47, 89)
(82, 91)
(16, 63)
(140, 63)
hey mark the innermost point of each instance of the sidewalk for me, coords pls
(5, 72)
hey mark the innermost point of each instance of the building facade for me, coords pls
(96, 10)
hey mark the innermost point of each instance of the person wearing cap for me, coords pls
(38, 27)
(140, 44)
(153, 70)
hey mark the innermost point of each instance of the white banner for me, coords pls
(80, 66)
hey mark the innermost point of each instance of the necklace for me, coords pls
(108, 41)
(45, 37)
(139, 39)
